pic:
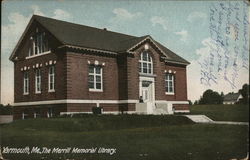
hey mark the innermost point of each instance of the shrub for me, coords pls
(6, 110)
(97, 110)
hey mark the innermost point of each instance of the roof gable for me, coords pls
(232, 97)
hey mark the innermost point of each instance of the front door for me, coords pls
(146, 91)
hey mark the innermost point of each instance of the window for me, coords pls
(95, 78)
(37, 113)
(169, 83)
(38, 43)
(51, 78)
(38, 81)
(25, 83)
(145, 63)
(25, 114)
(50, 113)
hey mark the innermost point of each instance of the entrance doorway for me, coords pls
(147, 92)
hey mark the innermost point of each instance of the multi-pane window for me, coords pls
(25, 83)
(95, 78)
(38, 81)
(39, 43)
(51, 78)
(145, 63)
(169, 83)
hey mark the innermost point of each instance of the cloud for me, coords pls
(11, 33)
(196, 16)
(122, 14)
(36, 10)
(183, 34)
(195, 86)
(156, 20)
(61, 14)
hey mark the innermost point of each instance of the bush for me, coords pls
(97, 110)
(6, 110)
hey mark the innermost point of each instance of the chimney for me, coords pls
(105, 29)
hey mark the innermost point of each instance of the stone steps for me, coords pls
(200, 118)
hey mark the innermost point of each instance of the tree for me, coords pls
(245, 94)
(211, 97)
(190, 102)
(195, 102)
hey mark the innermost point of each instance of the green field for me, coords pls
(237, 113)
(135, 137)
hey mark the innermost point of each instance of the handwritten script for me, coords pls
(228, 44)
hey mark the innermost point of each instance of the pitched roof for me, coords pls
(231, 96)
(94, 38)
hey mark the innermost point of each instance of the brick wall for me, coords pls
(159, 67)
(77, 77)
(60, 81)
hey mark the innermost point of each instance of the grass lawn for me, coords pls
(135, 137)
(237, 113)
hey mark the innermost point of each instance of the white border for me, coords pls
(181, 111)
(92, 101)
(109, 112)
(75, 101)
(173, 102)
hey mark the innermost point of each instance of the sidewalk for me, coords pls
(205, 119)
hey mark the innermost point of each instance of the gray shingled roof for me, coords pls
(89, 37)
(231, 97)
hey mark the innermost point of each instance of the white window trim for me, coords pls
(141, 61)
(40, 79)
(170, 93)
(94, 74)
(49, 89)
(24, 84)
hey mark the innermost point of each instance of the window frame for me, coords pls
(51, 76)
(148, 62)
(95, 89)
(167, 83)
(25, 83)
(39, 44)
(38, 81)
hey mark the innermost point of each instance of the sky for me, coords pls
(212, 35)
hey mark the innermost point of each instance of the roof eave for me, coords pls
(142, 41)
(87, 49)
(176, 62)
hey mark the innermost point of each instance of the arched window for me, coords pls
(145, 63)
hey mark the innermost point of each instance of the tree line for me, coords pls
(213, 97)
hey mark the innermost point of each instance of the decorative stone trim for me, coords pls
(96, 62)
(169, 71)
